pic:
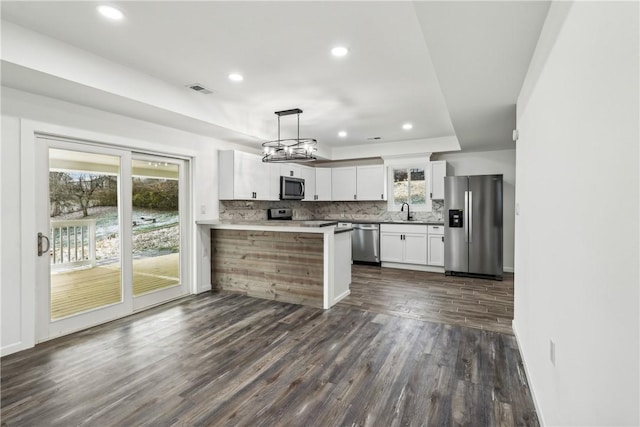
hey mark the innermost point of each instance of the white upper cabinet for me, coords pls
(343, 184)
(309, 176)
(243, 176)
(290, 169)
(274, 181)
(323, 184)
(359, 183)
(438, 172)
(371, 183)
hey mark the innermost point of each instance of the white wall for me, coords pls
(10, 291)
(17, 289)
(577, 256)
(485, 163)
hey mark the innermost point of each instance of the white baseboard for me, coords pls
(508, 269)
(13, 348)
(341, 297)
(528, 374)
(430, 268)
(202, 289)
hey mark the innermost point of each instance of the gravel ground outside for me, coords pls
(149, 238)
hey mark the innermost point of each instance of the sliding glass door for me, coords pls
(158, 207)
(111, 235)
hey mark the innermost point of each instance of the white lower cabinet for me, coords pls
(391, 247)
(415, 248)
(403, 243)
(436, 245)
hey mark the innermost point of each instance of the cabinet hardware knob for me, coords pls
(442, 239)
(355, 197)
(382, 196)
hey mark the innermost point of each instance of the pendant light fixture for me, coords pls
(289, 150)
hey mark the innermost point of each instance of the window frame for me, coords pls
(391, 206)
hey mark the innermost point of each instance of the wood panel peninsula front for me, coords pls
(300, 262)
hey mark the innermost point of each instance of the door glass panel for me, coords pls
(85, 237)
(400, 186)
(156, 225)
(409, 186)
(418, 190)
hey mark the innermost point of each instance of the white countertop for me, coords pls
(274, 225)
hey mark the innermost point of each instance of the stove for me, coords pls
(281, 214)
(286, 214)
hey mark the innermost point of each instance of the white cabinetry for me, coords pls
(391, 246)
(403, 243)
(370, 182)
(438, 172)
(274, 181)
(243, 176)
(359, 183)
(343, 184)
(435, 236)
(290, 169)
(309, 176)
(415, 248)
(323, 184)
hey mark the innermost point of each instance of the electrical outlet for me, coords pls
(552, 352)
(203, 209)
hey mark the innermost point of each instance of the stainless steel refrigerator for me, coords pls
(473, 225)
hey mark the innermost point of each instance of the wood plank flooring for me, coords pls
(231, 360)
(79, 290)
(475, 303)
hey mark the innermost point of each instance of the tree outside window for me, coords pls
(409, 186)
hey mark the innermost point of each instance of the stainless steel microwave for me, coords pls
(291, 188)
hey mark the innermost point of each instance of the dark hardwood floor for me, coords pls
(227, 359)
(472, 302)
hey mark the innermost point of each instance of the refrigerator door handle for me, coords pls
(465, 218)
(470, 216)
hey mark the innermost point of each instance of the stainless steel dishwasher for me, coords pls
(365, 243)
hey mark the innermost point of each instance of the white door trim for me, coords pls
(151, 299)
(28, 226)
(45, 327)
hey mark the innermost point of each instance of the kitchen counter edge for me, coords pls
(239, 225)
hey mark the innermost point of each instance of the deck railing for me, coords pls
(73, 243)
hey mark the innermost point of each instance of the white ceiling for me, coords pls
(453, 69)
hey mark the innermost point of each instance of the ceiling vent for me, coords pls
(199, 88)
(374, 138)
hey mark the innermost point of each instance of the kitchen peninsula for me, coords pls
(300, 262)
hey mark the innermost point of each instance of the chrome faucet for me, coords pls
(408, 213)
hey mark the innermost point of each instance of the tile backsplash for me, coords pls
(257, 210)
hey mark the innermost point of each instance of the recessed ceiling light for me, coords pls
(235, 77)
(110, 12)
(407, 126)
(339, 51)
(342, 134)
